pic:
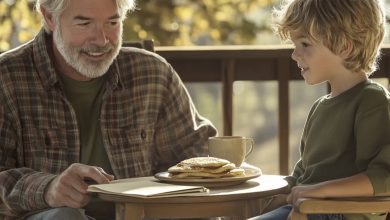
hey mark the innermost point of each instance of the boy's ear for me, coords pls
(347, 50)
(49, 19)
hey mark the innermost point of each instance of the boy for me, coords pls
(345, 146)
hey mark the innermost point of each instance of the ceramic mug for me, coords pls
(232, 148)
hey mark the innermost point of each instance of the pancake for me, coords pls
(236, 172)
(204, 162)
(205, 167)
(179, 168)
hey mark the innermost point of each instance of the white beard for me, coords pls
(88, 68)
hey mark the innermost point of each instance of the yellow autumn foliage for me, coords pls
(168, 22)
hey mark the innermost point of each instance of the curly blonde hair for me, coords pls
(337, 24)
(56, 7)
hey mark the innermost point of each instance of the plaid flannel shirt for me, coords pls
(148, 122)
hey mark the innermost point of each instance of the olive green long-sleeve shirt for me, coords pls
(347, 135)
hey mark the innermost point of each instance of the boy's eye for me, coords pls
(304, 44)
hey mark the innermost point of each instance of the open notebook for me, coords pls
(147, 188)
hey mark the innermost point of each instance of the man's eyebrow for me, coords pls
(83, 18)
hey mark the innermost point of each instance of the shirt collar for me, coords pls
(43, 62)
(114, 79)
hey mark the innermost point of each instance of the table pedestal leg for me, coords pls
(125, 210)
(237, 210)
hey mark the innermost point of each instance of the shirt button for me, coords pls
(47, 141)
(143, 134)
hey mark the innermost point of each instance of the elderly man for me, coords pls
(75, 105)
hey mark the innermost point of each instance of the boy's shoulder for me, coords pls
(373, 95)
(373, 89)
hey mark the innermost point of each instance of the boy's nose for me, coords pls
(294, 55)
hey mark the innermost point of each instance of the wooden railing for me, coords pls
(227, 64)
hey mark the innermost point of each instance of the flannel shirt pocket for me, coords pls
(131, 148)
(47, 150)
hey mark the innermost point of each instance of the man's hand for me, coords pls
(69, 189)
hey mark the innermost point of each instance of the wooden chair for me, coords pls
(341, 205)
(143, 44)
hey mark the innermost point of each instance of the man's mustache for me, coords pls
(96, 49)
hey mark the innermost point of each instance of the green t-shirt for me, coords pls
(86, 99)
(346, 135)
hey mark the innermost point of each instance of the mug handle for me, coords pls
(252, 143)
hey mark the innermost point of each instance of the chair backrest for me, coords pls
(344, 205)
(144, 44)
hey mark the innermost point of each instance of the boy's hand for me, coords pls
(358, 185)
(69, 188)
(304, 191)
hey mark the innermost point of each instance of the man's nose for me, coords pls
(100, 36)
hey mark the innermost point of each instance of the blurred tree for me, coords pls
(18, 22)
(168, 22)
(194, 22)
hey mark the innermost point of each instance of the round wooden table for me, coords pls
(239, 201)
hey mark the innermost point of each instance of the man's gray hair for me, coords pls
(56, 7)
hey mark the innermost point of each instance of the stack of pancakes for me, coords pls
(205, 167)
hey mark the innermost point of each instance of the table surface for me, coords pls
(238, 202)
(263, 186)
